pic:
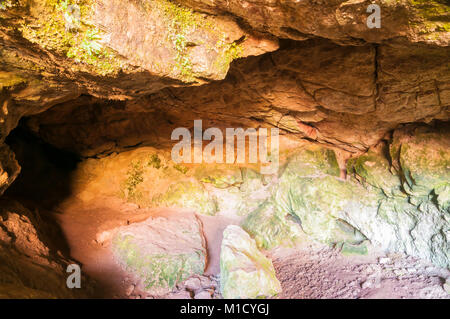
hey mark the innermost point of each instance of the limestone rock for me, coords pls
(190, 195)
(401, 207)
(162, 251)
(245, 271)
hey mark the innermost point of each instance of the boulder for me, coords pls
(244, 271)
(162, 251)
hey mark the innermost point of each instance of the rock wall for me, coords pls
(339, 83)
(32, 264)
(98, 77)
(395, 196)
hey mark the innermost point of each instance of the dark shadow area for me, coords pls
(43, 183)
(45, 170)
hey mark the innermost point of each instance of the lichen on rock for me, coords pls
(162, 251)
(412, 212)
(271, 227)
(66, 28)
(187, 194)
(244, 271)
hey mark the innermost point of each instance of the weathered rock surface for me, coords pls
(348, 97)
(395, 195)
(31, 262)
(411, 214)
(399, 202)
(96, 77)
(9, 168)
(190, 195)
(162, 251)
(245, 272)
(341, 20)
(341, 83)
(54, 51)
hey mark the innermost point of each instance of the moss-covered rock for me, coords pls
(188, 194)
(238, 190)
(402, 208)
(66, 28)
(431, 18)
(244, 271)
(374, 169)
(311, 161)
(310, 190)
(220, 177)
(348, 249)
(162, 251)
(422, 156)
(309, 196)
(412, 213)
(270, 226)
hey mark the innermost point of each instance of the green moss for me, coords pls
(135, 176)
(430, 9)
(423, 161)
(310, 191)
(181, 168)
(270, 227)
(228, 53)
(189, 195)
(374, 169)
(58, 29)
(348, 249)
(312, 161)
(221, 178)
(433, 17)
(154, 161)
(181, 23)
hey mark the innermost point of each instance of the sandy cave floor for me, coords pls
(309, 270)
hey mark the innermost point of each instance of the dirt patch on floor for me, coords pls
(314, 271)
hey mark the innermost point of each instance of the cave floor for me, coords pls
(86, 227)
(308, 270)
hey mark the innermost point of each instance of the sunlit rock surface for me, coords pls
(245, 272)
(340, 20)
(9, 168)
(344, 96)
(395, 195)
